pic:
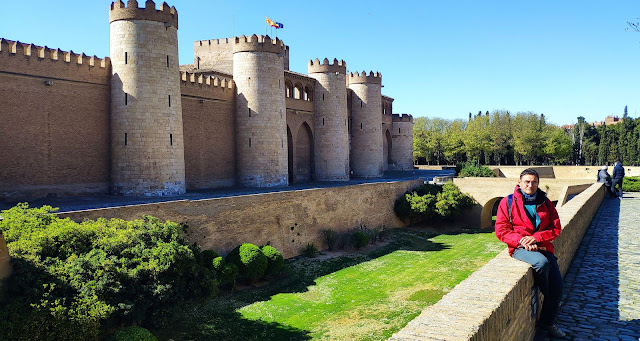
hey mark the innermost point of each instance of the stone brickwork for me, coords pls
(366, 156)
(402, 137)
(54, 107)
(332, 131)
(134, 125)
(261, 135)
(208, 106)
(287, 220)
(218, 54)
(147, 143)
(494, 303)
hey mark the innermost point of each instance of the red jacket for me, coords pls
(512, 233)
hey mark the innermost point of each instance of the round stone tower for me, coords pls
(331, 127)
(146, 113)
(261, 121)
(402, 150)
(366, 129)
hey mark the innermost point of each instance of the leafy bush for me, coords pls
(631, 184)
(432, 202)
(450, 202)
(133, 333)
(206, 258)
(359, 239)
(72, 281)
(331, 238)
(275, 260)
(310, 250)
(226, 272)
(470, 170)
(250, 260)
(417, 204)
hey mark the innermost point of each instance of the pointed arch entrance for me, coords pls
(304, 154)
(386, 150)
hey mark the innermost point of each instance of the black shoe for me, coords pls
(553, 330)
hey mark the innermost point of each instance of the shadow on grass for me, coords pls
(217, 319)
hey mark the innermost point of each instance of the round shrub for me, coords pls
(250, 260)
(133, 333)
(275, 260)
(227, 272)
(359, 239)
(206, 258)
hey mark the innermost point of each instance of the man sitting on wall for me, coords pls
(527, 222)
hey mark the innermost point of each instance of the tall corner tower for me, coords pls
(146, 113)
(402, 150)
(366, 130)
(261, 121)
(330, 120)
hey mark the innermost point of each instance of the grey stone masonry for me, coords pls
(602, 286)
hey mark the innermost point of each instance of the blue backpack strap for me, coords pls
(509, 200)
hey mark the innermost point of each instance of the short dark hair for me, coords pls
(529, 171)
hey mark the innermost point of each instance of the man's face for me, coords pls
(528, 184)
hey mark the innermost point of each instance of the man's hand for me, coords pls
(529, 243)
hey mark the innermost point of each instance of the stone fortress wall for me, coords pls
(140, 124)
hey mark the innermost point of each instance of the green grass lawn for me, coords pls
(355, 297)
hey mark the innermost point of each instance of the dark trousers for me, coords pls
(616, 183)
(547, 277)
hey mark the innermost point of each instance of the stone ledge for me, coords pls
(494, 302)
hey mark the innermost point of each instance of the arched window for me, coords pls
(297, 92)
(308, 93)
(288, 89)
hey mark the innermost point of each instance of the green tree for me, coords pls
(454, 150)
(557, 145)
(477, 138)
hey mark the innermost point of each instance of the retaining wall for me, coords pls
(287, 220)
(494, 303)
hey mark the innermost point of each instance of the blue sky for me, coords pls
(437, 58)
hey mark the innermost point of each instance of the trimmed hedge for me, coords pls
(133, 333)
(74, 281)
(250, 260)
(631, 184)
(275, 260)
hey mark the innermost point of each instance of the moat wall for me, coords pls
(286, 220)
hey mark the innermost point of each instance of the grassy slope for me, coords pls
(357, 297)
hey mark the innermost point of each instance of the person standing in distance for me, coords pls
(618, 175)
(528, 225)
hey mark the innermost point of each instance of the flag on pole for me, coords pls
(272, 23)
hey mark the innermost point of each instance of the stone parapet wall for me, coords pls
(561, 172)
(287, 220)
(494, 303)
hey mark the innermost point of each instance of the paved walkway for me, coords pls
(602, 287)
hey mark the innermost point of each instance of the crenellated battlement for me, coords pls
(206, 42)
(402, 118)
(337, 66)
(257, 43)
(166, 14)
(43, 52)
(188, 77)
(360, 78)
